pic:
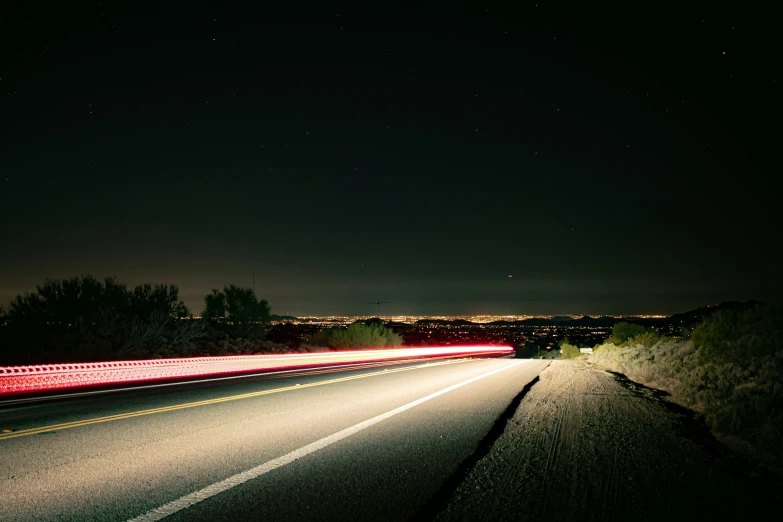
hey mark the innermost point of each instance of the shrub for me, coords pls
(647, 339)
(740, 336)
(551, 353)
(569, 351)
(185, 334)
(606, 347)
(356, 336)
(320, 338)
(623, 331)
(731, 370)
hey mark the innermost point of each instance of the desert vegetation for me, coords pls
(355, 336)
(569, 350)
(730, 369)
(83, 319)
(86, 319)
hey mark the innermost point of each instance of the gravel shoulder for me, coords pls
(586, 445)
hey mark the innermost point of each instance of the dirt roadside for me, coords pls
(585, 445)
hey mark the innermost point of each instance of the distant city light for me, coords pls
(410, 319)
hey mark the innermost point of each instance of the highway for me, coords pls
(382, 442)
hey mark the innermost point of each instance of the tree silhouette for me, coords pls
(66, 301)
(147, 299)
(237, 307)
(83, 318)
(215, 307)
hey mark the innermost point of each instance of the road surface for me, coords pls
(378, 443)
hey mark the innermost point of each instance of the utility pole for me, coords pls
(254, 280)
(379, 303)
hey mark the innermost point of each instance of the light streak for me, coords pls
(17, 380)
(10, 434)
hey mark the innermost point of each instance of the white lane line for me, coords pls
(240, 478)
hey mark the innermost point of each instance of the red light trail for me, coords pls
(16, 380)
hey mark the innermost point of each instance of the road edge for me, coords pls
(438, 502)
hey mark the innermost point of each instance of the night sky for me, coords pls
(611, 160)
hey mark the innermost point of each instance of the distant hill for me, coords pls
(699, 314)
(559, 320)
(691, 317)
(594, 321)
(371, 321)
(445, 322)
(275, 317)
(377, 321)
(393, 324)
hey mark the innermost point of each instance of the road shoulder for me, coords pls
(582, 446)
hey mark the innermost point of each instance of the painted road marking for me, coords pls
(122, 416)
(240, 478)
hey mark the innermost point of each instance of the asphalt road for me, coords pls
(375, 443)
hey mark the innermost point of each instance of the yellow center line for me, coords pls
(122, 416)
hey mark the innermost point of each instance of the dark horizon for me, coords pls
(195, 303)
(611, 163)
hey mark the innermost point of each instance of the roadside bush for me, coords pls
(320, 338)
(603, 348)
(552, 353)
(569, 351)
(740, 337)
(623, 331)
(731, 370)
(272, 347)
(355, 336)
(365, 336)
(647, 339)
